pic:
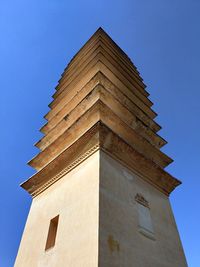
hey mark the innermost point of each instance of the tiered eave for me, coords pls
(100, 103)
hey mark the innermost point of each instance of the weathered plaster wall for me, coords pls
(98, 223)
(121, 244)
(75, 198)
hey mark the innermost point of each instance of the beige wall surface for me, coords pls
(99, 221)
(75, 198)
(120, 242)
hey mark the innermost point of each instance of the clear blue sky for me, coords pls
(38, 38)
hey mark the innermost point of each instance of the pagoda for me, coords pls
(101, 191)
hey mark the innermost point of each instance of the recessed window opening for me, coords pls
(51, 238)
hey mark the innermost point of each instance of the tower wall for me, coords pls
(75, 199)
(121, 244)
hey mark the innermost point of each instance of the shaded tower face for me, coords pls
(100, 193)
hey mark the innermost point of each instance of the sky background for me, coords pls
(37, 40)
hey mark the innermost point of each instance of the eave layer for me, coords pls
(100, 137)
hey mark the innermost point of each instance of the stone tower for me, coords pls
(100, 193)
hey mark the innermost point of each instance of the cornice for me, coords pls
(103, 138)
(66, 158)
(70, 167)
